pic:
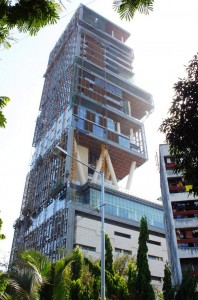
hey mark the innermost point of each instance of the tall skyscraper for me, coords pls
(180, 214)
(90, 108)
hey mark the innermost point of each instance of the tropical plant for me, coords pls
(28, 275)
(33, 277)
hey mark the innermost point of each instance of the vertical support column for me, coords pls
(131, 135)
(129, 181)
(118, 127)
(129, 107)
(79, 165)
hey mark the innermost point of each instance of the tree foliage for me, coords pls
(3, 102)
(144, 288)
(27, 15)
(132, 278)
(74, 277)
(109, 266)
(32, 15)
(187, 289)
(2, 236)
(127, 8)
(168, 291)
(181, 126)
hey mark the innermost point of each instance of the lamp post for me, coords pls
(102, 220)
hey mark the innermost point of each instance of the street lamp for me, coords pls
(102, 220)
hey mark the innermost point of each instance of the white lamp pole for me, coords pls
(102, 239)
(102, 221)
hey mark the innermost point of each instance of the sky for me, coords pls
(163, 42)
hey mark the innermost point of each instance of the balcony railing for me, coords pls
(170, 166)
(177, 189)
(88, 127)
(189, 240)
(186, 223)
(187, 252)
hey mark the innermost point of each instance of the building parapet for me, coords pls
(181, 197)
(186, 223)
(188, 253)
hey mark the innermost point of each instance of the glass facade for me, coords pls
(124, 208)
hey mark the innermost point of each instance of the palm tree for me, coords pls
(28, 275)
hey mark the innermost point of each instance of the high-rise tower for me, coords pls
(90, 108)
(180, 214)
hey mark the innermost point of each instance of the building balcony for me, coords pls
(141, 101)
(88, 127)
(171, 173)
(187, 222)
(170, 166)
(187, 252)
(187, 241)
(181, 196)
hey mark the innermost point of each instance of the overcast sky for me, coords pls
(163, 43)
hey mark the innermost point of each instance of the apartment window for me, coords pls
(127, 252)
(123, 251)
(87, 248)
(155, 257)
(154, 242)
(118, 250)
(122, 234)
(156, 278)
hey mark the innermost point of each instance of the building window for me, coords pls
(118, 250)
(87, 248)
(122, 234)
(154, 242)
(127, 252)
(123, 251)
(155, 257)
(156, 278)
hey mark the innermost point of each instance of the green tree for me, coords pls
(2, 236)
(187, 289)
(144, 289)
(3, 285)
(109, 266)
(32, 15)
(28, 275)
(127, 8)
(121, 264)
(95, 274)
(132, 277)
(62, 280)
(27, 16)
(168, 291)
(76, 264)
(3, 103)
(181, 126)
